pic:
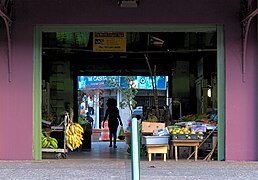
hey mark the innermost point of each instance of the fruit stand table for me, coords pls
(157, 148)
(156, 144)
(189, 143)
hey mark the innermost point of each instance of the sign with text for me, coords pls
(109, 42)
(141, 82)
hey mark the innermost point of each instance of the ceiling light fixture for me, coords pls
(128, 3)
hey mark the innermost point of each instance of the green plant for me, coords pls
(143, 149)
(127, 90)
(82, 120)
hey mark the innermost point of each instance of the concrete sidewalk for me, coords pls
(94, 169)
(105, 163)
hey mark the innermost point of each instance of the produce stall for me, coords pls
(186, 143)
(154, 143)
(191, 136)
(50, 144)
(72, 137)
(193, 132)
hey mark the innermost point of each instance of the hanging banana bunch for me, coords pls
(74, 135)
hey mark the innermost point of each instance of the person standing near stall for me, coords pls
(113, 117)
(91, 106)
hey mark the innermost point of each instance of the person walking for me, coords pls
(113, 117)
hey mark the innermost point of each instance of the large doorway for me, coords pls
(168, 58)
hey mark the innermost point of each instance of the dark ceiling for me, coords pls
(177, 47)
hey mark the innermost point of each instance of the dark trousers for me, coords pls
(86, 142)
(91, 110)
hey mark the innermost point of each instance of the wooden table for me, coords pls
(157, 148)
(189, 143)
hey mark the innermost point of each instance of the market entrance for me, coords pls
(173, 63)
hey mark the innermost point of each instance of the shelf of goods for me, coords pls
(52, 146)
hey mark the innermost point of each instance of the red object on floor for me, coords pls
(105, 132)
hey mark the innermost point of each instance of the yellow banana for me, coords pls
(73, 145)
(67, 131)
(69, 146)
(75, 138)
(79, 127)
(79, 131)
(72, 129)
(71, 139)
(76, 131)
(79, 136)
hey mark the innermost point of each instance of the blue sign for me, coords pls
(145, 82)
(93, 82)
(141, 82)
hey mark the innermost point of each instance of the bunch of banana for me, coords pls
(49, 142)
(74, 133)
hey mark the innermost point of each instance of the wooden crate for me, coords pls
(151, 127)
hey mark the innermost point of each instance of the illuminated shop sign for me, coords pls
(140, 82)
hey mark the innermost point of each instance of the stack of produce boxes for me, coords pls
(184, 133)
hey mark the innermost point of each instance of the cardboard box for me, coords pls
(95, 134)
(198, 128)
(151, 127)
(161, 132)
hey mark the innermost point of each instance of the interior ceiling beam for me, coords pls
(76, 50)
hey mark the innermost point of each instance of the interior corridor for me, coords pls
(99, 150)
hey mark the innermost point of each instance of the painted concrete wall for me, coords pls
(16, 111)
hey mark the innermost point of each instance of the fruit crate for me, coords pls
(185, 136)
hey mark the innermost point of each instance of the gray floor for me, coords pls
(107, 163)
(101, 150)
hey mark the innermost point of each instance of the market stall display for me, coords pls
(195, 135)
(185, 143)
(74, 135)
(157, 142)
(50, 144)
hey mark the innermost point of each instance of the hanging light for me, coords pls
(128, 3)
(209, 92)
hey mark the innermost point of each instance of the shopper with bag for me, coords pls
(113, 117)
(121, 134)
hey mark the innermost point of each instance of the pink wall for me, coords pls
(241, 99)
(16, 97)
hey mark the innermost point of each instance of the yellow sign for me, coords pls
(109, 42)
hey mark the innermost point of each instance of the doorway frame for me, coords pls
(37, 68)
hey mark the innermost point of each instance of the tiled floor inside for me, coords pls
(101, 150)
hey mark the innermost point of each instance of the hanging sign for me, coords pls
(109, 42)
